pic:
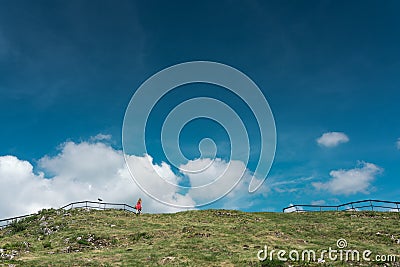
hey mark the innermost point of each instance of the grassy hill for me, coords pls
(194, 238)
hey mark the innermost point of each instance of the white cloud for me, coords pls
(398, 143)
(83, 171)
(101, 137)
(332, 139)
(148, 175)
(292, 208)
(223, 176)
(347, 182)
(318, 202)
(91, 170)
(287, 184)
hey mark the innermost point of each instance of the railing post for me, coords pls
(372, 206)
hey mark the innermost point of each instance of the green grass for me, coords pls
(192, 238)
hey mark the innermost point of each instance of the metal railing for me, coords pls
(74, 205)
(370, 204)
(8, 221)
(98, 206)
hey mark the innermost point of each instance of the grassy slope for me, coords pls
(194, 238)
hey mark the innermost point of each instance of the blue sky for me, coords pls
(70, 68)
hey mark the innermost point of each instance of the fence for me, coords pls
(370, 204)
(80, 204)
(98, 205)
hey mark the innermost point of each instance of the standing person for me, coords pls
(138, 206)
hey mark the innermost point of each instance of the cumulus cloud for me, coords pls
(81, 171)
(91, 170)
(158, 180)
(347, 182)
(398, 143)
(230, 179)
(293, 208)
(18, 182)
(332, 139)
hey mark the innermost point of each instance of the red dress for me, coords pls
(138, 206)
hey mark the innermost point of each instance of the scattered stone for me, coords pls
(112, 225)
(278, 234)
(90, 238)
(26, 244)
(129, 249)
(168, 259)
(8, 256)
(47, 231)
(202, 234)
(225, 213)
(245, 247)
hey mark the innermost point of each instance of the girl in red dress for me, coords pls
(138, 206)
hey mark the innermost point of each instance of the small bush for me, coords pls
(31, 218)
(272, 263)
(47, 244)
(13, 246)
(138, 236)
(18, 226)
(83, 242)
(47, 212)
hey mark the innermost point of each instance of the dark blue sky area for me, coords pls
(69, 68)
